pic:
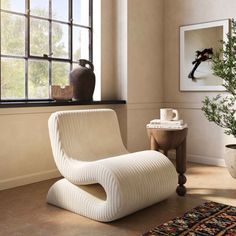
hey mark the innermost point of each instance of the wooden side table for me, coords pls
(167, 139)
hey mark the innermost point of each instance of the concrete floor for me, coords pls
(23, 210)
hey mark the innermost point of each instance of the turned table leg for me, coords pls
(181, 168)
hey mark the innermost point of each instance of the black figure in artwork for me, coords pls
(201, 56)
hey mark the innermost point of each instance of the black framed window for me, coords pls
(41, 41)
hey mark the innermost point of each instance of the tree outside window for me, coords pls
(41, 40)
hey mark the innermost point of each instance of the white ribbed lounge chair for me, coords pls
(102, 181)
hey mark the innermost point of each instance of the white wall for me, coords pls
(205, 140)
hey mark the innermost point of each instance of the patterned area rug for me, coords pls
(210, 218)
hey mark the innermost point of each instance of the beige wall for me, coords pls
(131, 69)
(145, 68)
(145, 51)
(205, 141)
(136, 36)
(121, 49)
(108, 40)
(133, 62)
(137, 71)
(25, 153)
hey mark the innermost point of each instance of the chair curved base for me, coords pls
(78, 199)
(148, 188)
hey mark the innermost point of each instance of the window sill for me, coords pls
(11, 104)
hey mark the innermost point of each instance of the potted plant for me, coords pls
(222, 108)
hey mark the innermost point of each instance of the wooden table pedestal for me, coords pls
(167, 139)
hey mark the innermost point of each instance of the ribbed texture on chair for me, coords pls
(88, 149)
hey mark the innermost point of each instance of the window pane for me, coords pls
(39, 8)
(80, 43)
(60, 10)
(75, 65)
(60, 41)
(81, 12)
(60, 73)
(39, 37)
(38, 79)
(13, 5)
(12, 78)
(12, 34)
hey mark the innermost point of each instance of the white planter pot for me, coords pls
(230, 159)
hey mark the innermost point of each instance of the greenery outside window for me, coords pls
(41, 42)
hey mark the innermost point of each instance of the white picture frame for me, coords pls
(195, 38)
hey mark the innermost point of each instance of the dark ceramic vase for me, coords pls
(83, 80)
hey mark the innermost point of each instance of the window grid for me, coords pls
(46, 57)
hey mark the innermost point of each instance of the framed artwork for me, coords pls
(198, 43)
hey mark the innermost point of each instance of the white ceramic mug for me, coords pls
(167, 114)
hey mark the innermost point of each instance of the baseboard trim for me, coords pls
(28, 179)
(45, 175)
(201, 159)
